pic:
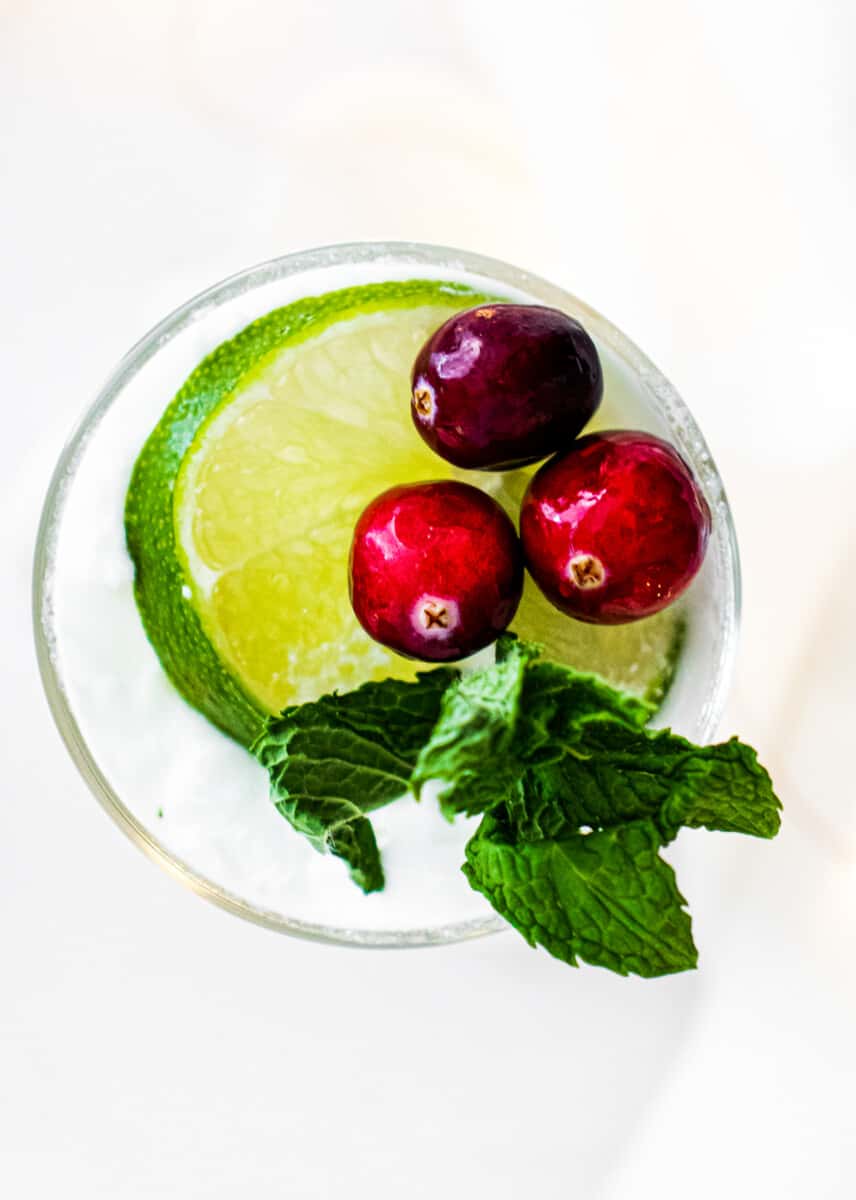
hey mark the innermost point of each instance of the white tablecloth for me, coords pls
(688, 168)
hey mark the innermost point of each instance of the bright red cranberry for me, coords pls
(615, 528)
(505, 384)
(436, 570)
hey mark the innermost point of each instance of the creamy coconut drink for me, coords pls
(223, 547)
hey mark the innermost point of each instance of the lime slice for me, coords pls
(242, 504)
(270, 490)
(640, 658)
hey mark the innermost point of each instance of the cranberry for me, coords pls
(505, 384)
(615, 528)
(436, 570)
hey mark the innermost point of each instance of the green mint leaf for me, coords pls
(607, 774)
(606, 897)
(333, 761)
(556, 700)
(469, 747)
(725, 788)
(492, 715)
(354, 842)
(563, 750)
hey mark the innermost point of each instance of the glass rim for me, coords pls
(682, 427)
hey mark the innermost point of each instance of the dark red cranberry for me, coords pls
(615, 528)
(505, 384)
(436, 570)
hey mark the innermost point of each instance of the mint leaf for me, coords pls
(613, 774)
(491, 715)
(469, 746)
(556, 701)
(333, 761)
(609, 774)
(722, 787)
(607, 897)
(563, 750)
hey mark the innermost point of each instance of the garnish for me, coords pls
(238, 517)
(503, 385)
(577, 796)
(436, 571)
(615, 528)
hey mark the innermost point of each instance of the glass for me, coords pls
(138, 391)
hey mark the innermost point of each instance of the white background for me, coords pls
(688, 168)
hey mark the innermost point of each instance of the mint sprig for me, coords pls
(577, 796)
(333, 761)
(565, 750)
(584, 797)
